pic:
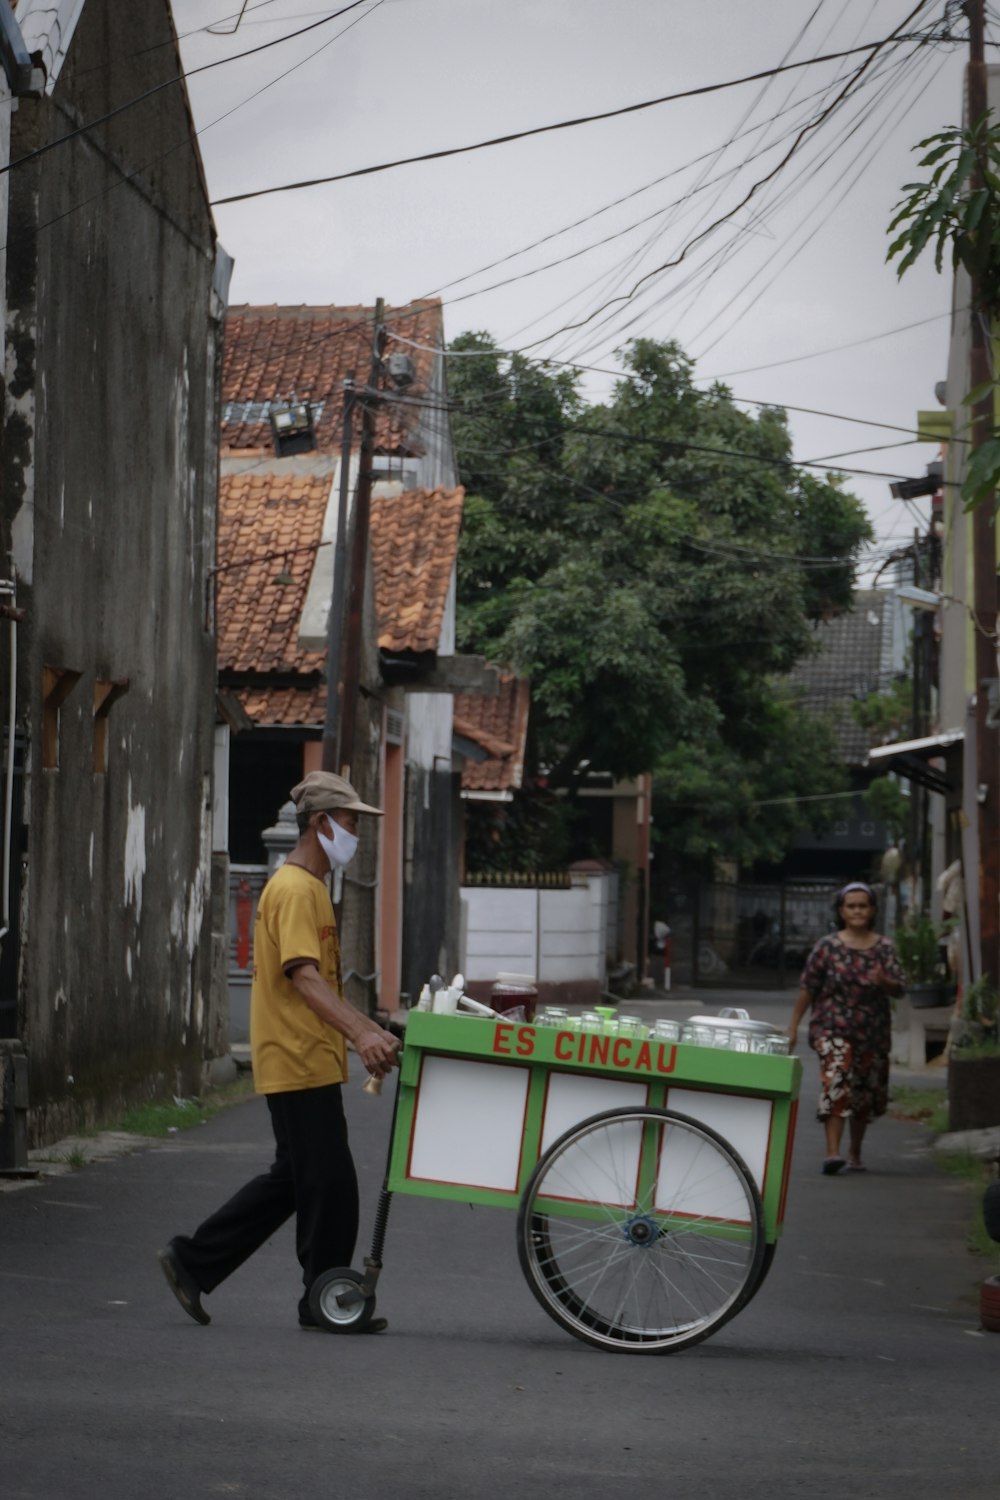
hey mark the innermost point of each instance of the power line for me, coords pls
(894, 36)
(795, 359)
(520, 135)
(127, 177)
(169, 83)
(541, 362)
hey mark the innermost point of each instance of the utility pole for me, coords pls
(354, 637)
(335, 626)
(984, 572)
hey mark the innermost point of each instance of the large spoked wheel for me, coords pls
(338, 1304)
(641, 1230)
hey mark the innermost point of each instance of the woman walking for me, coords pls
(847, 983)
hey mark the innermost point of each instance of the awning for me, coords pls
(912, 759)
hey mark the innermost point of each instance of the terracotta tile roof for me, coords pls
(277, 353)
(303, 705)
(414, 542)
(500, 725)
(258, 619)
(413, 539)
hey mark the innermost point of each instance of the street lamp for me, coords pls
(908, 593)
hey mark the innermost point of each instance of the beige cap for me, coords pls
(322, 791)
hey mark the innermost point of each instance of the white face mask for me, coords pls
(340, 849)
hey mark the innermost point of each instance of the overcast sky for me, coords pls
(799, 270)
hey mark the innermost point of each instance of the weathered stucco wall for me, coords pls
(109, 481)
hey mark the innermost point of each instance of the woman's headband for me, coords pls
(856, 885)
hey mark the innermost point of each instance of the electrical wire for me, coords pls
(520, 135)
(894, 37)
(795, 359)
(587, 218)
(127, 177)
(167, 83)
(832, 204)
(780, 191)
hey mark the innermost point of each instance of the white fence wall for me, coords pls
(560, 936)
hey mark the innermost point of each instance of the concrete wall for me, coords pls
(109, 486)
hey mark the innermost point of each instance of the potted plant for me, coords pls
(974, 1060)
(919, 949)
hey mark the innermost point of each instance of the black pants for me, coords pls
(312, 1176)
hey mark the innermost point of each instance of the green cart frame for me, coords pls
(649, 1177)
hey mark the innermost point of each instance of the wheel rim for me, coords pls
(330, 1308)
(642, 1230)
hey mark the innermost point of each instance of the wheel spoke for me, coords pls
(623, 1261)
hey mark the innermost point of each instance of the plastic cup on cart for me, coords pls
(739, 1041)
(720, 1036)
(778, 1045)
(591, 1021)
(553, 1015)
(631, 1026)
(699, 1036)
(667, 1031)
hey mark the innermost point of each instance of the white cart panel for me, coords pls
(588, 1172)
(469, 1123)
(745, 1123)
(572, 1097)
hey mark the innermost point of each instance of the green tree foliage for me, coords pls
(957, 209)
(651, 584)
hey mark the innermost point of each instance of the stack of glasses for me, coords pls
(700, 1031)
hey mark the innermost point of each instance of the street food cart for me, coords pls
(649, 1176)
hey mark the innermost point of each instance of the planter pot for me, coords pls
(973, 1092)
(924, 996)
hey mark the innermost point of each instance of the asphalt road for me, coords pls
(859, 1367)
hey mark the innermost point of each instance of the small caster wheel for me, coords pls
(337, 1302)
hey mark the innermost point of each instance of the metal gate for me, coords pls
(757, 936)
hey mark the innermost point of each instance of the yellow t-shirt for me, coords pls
(291, 1047)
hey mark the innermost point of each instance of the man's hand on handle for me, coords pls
(378, 1050)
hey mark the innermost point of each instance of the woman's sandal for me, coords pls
(832, 1165)
(856, 1166)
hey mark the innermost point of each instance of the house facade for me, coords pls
(272, 596)
(114, 293)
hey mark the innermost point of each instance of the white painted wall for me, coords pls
(559, 936)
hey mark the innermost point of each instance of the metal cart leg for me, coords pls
(343, 1300)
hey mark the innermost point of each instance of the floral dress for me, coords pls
(850, 1025)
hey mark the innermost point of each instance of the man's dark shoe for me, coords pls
(182, 1284)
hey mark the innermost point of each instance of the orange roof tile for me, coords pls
(500, 725)
(303, 704)
(257, 618)
(413, 539)
(414, 542)
(305, 353)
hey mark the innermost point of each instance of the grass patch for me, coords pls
(927, 1106)
(166, 1116)
(978, 1174)
(930, 1107)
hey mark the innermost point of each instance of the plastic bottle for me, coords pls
(424, 1002)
